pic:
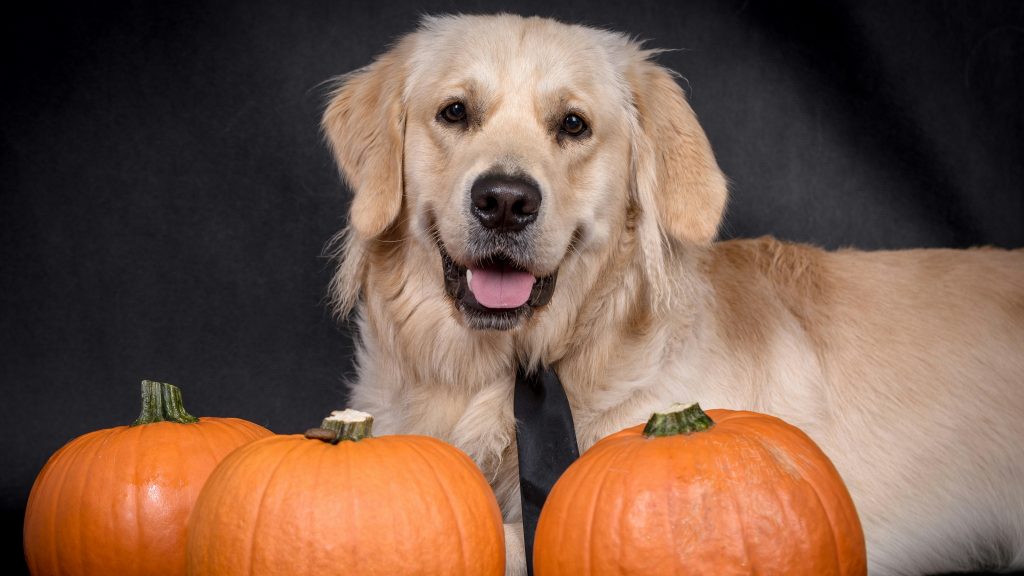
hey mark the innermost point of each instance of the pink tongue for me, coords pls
(501, 288)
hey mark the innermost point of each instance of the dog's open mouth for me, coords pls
(494, 293)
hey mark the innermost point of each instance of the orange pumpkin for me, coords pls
(117, 501)
(724, 493)
(337, 500)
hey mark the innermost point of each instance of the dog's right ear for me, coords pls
(365, 124)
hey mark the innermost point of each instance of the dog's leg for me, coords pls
(515, 550)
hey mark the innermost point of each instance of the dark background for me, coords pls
(167, 194)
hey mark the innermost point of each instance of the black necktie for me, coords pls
(546, 440)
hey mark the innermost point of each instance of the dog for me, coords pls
(529, 192)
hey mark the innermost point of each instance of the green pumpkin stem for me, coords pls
(161, 402)
(678, 419)
(343, 425)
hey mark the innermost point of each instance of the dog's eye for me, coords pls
(454, 112)
(573, 125)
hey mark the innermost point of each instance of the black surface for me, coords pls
(546, 443)
(166, 194)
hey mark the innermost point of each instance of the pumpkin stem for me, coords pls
(678, 419)
(343, 425)
(161, 402)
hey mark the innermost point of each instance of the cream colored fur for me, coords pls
(906, 367)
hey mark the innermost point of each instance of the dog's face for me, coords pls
(516, 155)
(511, 147)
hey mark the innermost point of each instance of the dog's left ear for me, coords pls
(675, 170)
(365, 124)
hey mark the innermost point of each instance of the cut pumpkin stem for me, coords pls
(678, 419)
(343, 425)
(161, 402)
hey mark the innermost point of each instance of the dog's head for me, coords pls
(512, 146)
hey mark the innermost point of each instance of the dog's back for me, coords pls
(921, 359)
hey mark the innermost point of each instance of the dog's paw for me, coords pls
(515, 550)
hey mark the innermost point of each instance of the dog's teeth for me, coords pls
(469, 275)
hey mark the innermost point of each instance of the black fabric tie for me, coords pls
(546, 440)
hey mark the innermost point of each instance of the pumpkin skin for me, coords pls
(749, 495)
(117, 501)
(389, 505)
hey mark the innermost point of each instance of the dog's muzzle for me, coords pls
(495, 290)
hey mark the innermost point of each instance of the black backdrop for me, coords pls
(166, 193)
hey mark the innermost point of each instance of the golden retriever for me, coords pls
(527, 191)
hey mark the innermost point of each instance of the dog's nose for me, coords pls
(504, 203)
